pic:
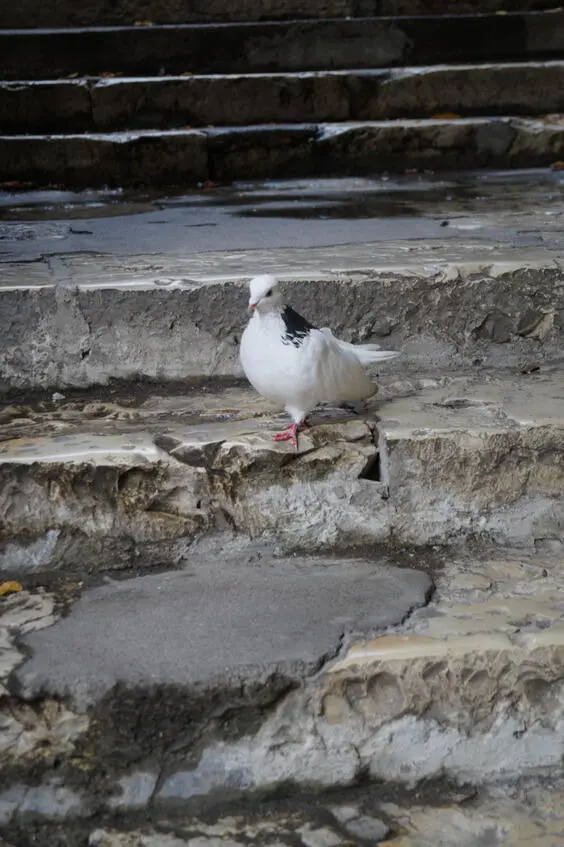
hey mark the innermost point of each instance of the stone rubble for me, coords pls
(517, 816)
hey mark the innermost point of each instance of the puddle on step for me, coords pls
(409, 195)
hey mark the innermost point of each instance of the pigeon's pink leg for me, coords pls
(290, 433)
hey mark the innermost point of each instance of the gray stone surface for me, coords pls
(367, 829)
(215, 624)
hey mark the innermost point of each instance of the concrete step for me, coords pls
(282, 46)
(324, 673)
(30, 13)
(367, 257)
(180, 318)
(173, 102)
(184, 157)
(102, 485)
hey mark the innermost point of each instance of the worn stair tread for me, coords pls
(107, 424)
(433, 259)
(526, 88)
(290, 46)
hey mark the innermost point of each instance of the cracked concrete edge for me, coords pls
(501, 313)
(285, 150)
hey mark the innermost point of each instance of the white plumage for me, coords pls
(296, 365)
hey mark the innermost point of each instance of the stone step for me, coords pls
(30, 13)
(174, 102)
(183, 157)
(459, 302)
(318, 673)
(101, 485)
(282, 46)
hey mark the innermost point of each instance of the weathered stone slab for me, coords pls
(482, 631)
(438, 144)
(485, 462)
(293, 46)
(184, 157)
(265, 151)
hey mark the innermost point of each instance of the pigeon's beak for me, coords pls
(252, 305)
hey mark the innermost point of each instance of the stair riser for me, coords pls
(60, 336)
(202, 101)
(183, 158)
(293, 46)
(109, 12)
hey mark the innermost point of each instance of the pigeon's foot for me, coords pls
(290, 433)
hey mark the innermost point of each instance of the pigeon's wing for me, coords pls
(335, 371)
(365, 353)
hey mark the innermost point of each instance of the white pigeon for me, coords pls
(296, 365)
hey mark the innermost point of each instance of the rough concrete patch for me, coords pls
(215, 623)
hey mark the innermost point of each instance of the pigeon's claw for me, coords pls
(289, 433)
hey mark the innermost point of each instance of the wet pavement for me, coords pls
(523, 208)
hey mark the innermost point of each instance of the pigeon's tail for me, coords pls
(369, 353)
(365, 353)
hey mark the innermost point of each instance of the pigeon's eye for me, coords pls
(268, 293)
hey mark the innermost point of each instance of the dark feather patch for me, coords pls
(297, 328)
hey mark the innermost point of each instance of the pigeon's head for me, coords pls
(265, 294)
